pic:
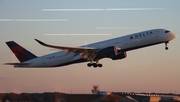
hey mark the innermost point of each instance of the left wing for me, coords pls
(85, 52)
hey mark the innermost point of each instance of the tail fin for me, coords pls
(21, 53)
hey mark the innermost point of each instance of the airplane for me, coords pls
(115, 49)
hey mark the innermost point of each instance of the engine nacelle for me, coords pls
(111, 52)
(119, 56)
(108, 52)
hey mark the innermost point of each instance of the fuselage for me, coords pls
(125, 43)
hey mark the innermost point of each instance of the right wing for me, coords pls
(86, 52)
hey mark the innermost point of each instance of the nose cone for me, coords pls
(170, 35)
(173, 36)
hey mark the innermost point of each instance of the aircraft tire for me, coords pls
(95, 65)
(89, 64)
(100, 65)
(166, 48)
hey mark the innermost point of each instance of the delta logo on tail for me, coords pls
(21, 53)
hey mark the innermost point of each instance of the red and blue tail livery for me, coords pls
(21, 53)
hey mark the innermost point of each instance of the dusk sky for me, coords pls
(80, 22)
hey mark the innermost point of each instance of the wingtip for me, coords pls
(40, 42)
(36, 40)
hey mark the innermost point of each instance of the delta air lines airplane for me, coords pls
(114, 49)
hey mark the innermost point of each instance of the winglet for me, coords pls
(40, 42)
(47, 45)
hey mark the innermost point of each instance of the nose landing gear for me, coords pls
(166, 45)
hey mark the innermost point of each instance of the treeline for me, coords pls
(31, 97)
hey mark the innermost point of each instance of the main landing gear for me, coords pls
(166, 45)
(95, 65)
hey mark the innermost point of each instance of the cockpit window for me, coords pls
(167, 31)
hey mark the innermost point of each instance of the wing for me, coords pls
(85, 52)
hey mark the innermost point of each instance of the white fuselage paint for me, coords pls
(128, 42)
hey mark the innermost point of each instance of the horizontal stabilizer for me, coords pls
(16, 63)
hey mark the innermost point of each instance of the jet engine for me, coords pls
(112, 52)
(121, 55)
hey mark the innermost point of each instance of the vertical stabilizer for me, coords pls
(21, 53)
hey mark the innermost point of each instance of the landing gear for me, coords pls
(89, 64)
(95, 65)
(166, 48)
(166, 45)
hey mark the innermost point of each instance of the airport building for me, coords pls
(134, 97)
(96, 96)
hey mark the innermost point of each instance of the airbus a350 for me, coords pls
(114, 49)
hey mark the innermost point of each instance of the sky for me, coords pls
(80, 22)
